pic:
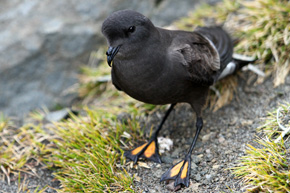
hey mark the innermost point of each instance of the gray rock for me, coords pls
(158, 173)
(43, 43)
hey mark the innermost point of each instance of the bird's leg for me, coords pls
(180, 172)
(150, 149)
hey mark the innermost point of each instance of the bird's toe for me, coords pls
(148, 150)
(179, 172)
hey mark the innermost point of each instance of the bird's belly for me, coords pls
(150, 89)
(151, 94)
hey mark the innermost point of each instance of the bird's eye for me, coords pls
(131, 29)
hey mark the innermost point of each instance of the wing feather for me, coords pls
(206, 52)
(200, 58)
(222, 42)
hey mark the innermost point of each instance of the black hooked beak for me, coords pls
(111, 53)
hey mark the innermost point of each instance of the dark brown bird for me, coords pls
(160, 66)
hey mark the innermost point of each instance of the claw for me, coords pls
(148, 150)
(179, 172)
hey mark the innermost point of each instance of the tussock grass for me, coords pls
(89, 154)
(266, 167)
(266, 32)
(275, 120)
(86, 151)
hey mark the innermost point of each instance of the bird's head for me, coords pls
(126, 31)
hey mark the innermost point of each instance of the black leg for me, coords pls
(199, 124)
(150, 149)
(163, 120)
(180, 172)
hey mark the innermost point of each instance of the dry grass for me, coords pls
(19, 146)
(21, 150)
(223, 92)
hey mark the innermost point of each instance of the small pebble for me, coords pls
(206, 137)
(215, 167)
(206, 182)
(193, 165)
(203, 172)
(176, 161)
(200, 156)
(208, 177)
(197, 177)
(176, 152)
(221, 139)
(209, 157)
(195, 159)
(167, 159)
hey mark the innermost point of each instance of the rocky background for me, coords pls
(43, 43)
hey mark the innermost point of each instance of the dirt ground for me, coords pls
(221, 142)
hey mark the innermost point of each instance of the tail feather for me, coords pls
(238, 62)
